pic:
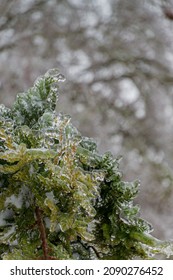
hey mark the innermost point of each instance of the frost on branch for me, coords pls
(59, 198)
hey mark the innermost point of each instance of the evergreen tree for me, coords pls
(59, 198)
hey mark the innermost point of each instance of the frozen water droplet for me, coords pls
(38, 80)
(54, 87)
(112, 238)
(50, 141)
(53, 72)
(2, 108)
(61, 78)
(42, 142)
(65, 118)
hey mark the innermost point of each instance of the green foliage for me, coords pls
(60, 199)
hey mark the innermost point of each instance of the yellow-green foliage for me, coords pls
(60, 199)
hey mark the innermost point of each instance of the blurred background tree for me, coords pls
(117, 56)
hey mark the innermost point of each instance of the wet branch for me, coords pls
(42, 231)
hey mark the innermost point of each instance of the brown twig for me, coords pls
(42, 231)
(168, 13)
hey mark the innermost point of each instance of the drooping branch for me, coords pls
(42, 231)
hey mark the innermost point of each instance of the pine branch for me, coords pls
(42, 231)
